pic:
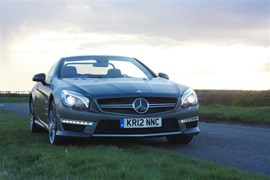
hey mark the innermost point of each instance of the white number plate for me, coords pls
(140, 122)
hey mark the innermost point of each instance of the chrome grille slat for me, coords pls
(106, 106)
(159, 105)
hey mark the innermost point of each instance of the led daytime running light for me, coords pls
(77, 122)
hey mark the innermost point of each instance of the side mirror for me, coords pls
(39, 78)
(163, 75)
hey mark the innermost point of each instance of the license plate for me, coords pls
(140, 122)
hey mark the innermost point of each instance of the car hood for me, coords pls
(124, 87)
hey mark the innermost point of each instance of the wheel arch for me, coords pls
(50, 99)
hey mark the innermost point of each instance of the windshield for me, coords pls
(103, 67)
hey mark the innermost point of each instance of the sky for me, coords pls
(204, 44)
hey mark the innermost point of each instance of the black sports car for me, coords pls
(111, 96)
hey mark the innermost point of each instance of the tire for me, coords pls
(53, 138)
(179, 139)
(33, 127)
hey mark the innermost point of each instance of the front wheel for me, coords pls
(53, 138)
(180, 139)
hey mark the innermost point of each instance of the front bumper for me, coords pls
(73, 123)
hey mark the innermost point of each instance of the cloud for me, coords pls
(216, 21)
(212, 21)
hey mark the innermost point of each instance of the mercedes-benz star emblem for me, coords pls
(140, 105)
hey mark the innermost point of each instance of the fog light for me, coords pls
(84, 123)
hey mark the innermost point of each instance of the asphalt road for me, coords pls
(243, 147)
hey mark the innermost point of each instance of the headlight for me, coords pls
(189, 98)
(74, 100)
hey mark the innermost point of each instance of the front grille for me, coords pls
(113, 127)
(125, 105)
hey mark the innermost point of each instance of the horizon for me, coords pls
(204, 44)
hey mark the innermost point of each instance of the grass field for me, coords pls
(239, 98)
(252, 107)
(30, 156)
(252, 115)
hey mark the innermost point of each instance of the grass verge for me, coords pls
(252, 115)
(30, 156)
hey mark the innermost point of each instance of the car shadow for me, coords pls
(121, 142)
(157, 142)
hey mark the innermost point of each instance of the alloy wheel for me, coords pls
(52, 124)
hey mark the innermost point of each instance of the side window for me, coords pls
(50, 73)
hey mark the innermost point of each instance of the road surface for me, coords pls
(243, 147)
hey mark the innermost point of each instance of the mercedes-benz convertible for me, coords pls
(111, 96)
